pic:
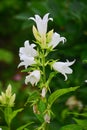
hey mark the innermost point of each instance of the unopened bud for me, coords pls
(47, 118)
(49, 36)
(8, 91)
(7, 98)
(35, 109)
(3, 98)
(43, 94)
(36, 33)
(12, 99)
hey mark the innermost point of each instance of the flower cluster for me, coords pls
(46, 40)
(7, 99)
(34, 58)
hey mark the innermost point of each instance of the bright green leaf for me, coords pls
(59, 93)
(71, 127)
(32, 96)
(41, 106)
(14, 113)
(82, 123)
(24, 126)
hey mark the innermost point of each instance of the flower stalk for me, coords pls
(36, 58)
(43, 66)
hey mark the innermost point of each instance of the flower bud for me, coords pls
(12, 99)
(47, 118)
(8, 91)
(43, 94)
(35, 109)
(36, 34)
(7, 98)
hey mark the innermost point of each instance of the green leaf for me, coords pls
(40, 117)
(9, 114)
(24, 126)
(65, 112)
(84, 114)
(14, 113)
(26, 129)
(82, 123)
(59, 93)
(41, 108)
(71, 127)
(32, 96)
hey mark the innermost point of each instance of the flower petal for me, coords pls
(56, 39)
(63, 67)
(41, 23)
(33, 77)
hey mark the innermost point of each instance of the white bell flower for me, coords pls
(63, 67)
(56, 39)
(33, 77)
(41, 23)
(27, 54)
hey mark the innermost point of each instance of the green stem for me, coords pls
(9, 127)
(43, 126)
(43, 66)
(7, 113)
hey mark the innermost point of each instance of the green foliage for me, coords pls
(24, 126)
(82, 123)
(33, 95)
(59, 93)
(71, 127)
(9, 114)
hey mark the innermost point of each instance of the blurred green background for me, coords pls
(70, 21)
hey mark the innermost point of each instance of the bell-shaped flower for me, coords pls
(33, 77)
(27, 54)
(41, 23)
(63, 67)
(56, 39)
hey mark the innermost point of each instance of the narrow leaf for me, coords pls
(24, 126)
(82, 123)
(59, 93)
(32, 96)
(71, 127)
(14, 113)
